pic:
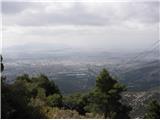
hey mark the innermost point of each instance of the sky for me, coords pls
(106, 26)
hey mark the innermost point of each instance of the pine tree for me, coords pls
(2, 67)
(153, 110)
(106, 97)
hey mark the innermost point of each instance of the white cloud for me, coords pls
(113, 25)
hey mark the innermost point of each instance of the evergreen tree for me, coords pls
(106, 97)
(2, 67)
(6, 108)
(27, 95)
(153, 110)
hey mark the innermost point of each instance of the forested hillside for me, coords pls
(39, 97)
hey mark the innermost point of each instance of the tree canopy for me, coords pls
(153, 110)
(39, 97)
(2, 66)
(106, 97)
(25, 97)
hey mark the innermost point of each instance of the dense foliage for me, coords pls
(27, 95)
(2, 67)
(106, 97)
(153, 110)
(39, 97)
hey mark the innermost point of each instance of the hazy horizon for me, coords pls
(109, 26)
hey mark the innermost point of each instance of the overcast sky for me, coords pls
(110, 26)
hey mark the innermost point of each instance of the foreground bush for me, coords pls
(56, 113)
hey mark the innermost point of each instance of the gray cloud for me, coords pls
(36, 14)
(14, 7)
(147, 12)
(116, 25)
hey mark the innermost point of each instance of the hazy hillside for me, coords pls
(143, 76)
